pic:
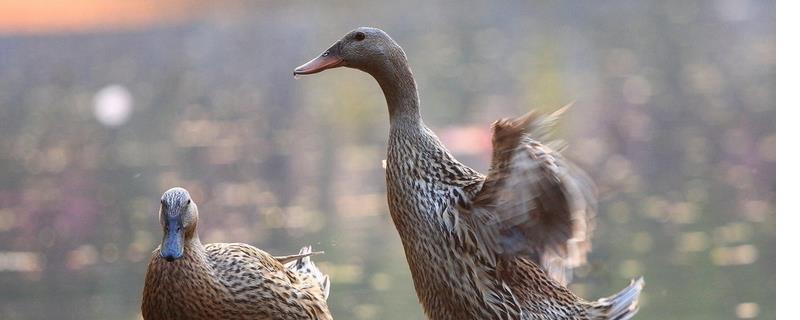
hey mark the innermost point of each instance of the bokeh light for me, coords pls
(112, 105)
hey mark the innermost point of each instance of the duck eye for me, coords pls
(188, 201)
(360, 36)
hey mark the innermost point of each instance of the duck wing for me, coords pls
(267, 285)
(536, 202)
(302, 264)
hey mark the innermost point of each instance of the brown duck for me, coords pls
(498, 246)
(189, 280)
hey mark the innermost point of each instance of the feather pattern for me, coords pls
(507, 239)
(480, 247)
(541, 205)
(229, 280)
(232, 281)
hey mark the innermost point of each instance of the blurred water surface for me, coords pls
(674, 118)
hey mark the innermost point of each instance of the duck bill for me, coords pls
(327, 60)
(319, 64)
(172, 243)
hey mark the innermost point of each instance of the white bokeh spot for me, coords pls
(112, 105)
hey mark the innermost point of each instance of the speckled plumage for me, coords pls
(231, 280)
(473, 256)
(480, 247)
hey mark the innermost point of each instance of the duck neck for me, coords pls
(400, 90)
(193, 246)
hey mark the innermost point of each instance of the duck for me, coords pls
(494, 246)
(189, 280)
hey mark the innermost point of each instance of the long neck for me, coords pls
(408, 137)
(400, 90)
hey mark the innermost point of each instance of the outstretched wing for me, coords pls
(541, 206)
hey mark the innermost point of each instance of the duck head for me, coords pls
(178, 217)
(366, 49)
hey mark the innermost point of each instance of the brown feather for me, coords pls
(229, 280)
(469, 240)
(544, 205)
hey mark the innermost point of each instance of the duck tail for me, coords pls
(302, 263)
(621, 306)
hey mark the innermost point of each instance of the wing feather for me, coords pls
(541, 205)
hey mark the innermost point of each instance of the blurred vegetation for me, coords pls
(674, 118)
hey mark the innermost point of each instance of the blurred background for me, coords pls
(106, 104)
